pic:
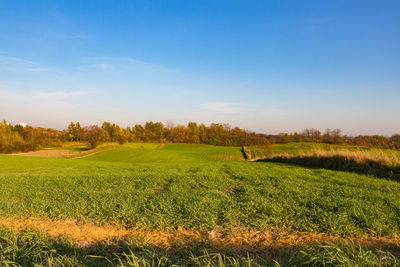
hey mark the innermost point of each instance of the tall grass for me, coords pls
(380, 157)
(254, 153)
(379, 163)
(347, 254)
(37, 249)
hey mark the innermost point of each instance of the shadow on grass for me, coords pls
(246, 153)
(37, 248)
(340, 163)
(80, 149)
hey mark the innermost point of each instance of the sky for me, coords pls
(266, 66)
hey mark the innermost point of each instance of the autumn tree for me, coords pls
(154, 131)
(121, 135)
(178, 134)
(111, 130)
(395, 141)
(92, 135)
(194, 133)
(311, 134)
(74, 132)
(10, 140)
(139, 134)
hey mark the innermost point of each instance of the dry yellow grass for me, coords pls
(223, 240)
(380, 163)
(385, 158)
(65, 153)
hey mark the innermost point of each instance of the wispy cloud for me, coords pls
(119, 65)
(7, 61)
(36, 69)
(223, 107)
(234, 108)
(33, 69)
(61, 95)
(43, 99)
(48, 108)
(77, 36)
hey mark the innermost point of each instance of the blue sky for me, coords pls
(268, 66)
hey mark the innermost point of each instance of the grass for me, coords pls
(37, 249)
(345, 254)
(195, 187)
(186, 186)
(381, 163)
(170, 154)
(296, 148)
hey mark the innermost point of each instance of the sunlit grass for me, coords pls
(184, 185)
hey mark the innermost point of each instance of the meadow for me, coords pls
(163, 204)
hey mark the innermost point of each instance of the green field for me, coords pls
(151, 187)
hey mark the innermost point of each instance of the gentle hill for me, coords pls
(169, 153)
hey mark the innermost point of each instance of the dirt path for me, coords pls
(53, 153)
(227, 239)
(65, 153)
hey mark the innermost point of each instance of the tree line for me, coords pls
(157, 132)
(335, 136)
(25, 138)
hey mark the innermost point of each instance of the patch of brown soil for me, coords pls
(84, 234)
(66, 153)
(54, 153)
(238, 239)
